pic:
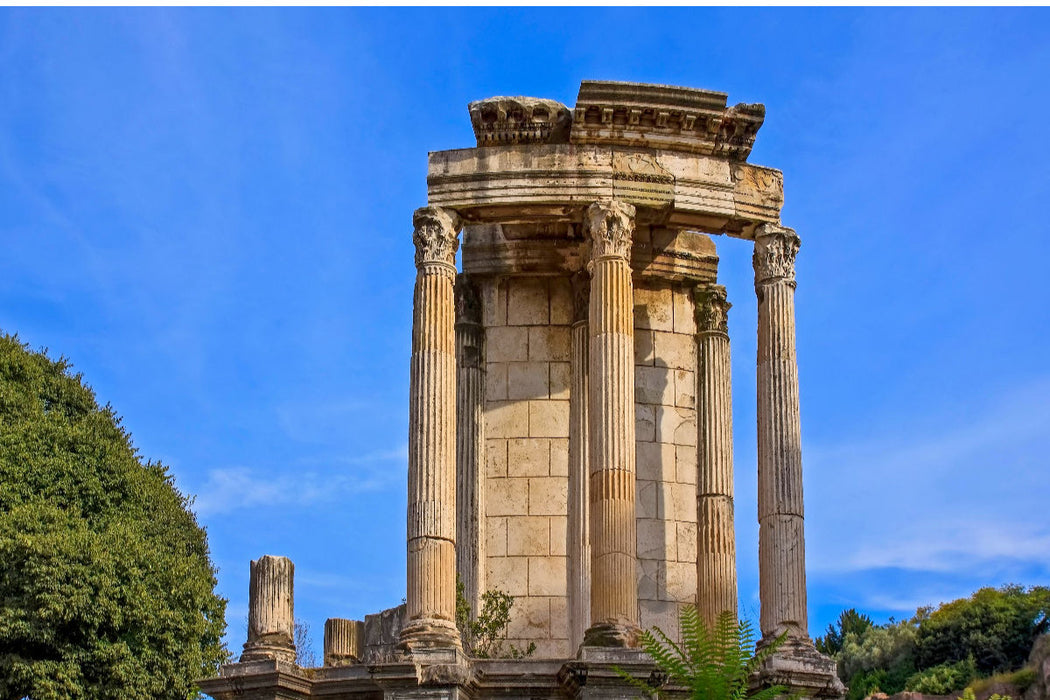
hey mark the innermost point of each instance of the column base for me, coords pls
(430, 635)
(622, 635)
(798, 665)
(268, 651)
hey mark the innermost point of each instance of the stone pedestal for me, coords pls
(781, 538)
(716, 539)
(614, 585)
(431, 596)
(271, 618)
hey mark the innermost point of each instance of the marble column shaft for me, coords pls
(716, 542)
(271, 616)
(781, 540)
(470, 442)
(611, 412)
(431, 595)
(343, 641)
(579, 546)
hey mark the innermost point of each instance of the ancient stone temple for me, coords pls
(570, 438)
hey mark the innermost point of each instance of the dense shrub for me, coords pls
(943, 678)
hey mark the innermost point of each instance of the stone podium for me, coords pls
(570, 404)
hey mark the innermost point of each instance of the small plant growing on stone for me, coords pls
(484, 636)
(711, 664)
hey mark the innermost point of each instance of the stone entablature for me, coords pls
(509, 184)
(500, 121)
(664, 117)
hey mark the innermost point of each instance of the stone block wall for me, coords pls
(527, 350)
(527, 342)
(665, 403)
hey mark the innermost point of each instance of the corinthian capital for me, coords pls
(610, 225)
(774, 257)
(712, 309)
(435, 235)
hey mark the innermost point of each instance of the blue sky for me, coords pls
(209, 212)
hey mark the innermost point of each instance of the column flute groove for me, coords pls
(781, 546)
(579, 546)
(470, 443)
(611, 482)
(716, 544)
(431, 595)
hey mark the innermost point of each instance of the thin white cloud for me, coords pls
(966, 497)
(234, 488)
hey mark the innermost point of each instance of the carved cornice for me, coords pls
(610, 227)
(468, 303)
(435, 235)
(581, 296)
(774, 257)
(500, 121)
(712, 309)
(665, 117)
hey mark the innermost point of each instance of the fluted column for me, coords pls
(614, 584)
(431, 596)
(579, 546)
(343, 640)
(781, 540)
(716, 544)
(470, 442)
(271, 617)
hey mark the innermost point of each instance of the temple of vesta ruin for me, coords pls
(570, 421)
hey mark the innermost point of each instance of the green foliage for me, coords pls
(997, 627)
(712, 664)
(849, 622)
(889, 648)
(105, 577)
(484, 636)
(943, 678)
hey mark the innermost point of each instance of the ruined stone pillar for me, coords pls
(271, 618)
(343, 640)
(431, 597)
(579, 546)
(716, 542)
(781, 541)
(614, 584)
(796, 664)
(470, 442)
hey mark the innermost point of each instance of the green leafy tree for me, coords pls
(849, 622)
(105, 578)
(880, 658)
(997, 627)
(711, 664)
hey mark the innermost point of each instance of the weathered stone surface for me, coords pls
(614, 588)
(382, 634)
(499, 121)
(664, 117)
(343, 641)
(716, 546)
(271, 617)
(431, 596)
